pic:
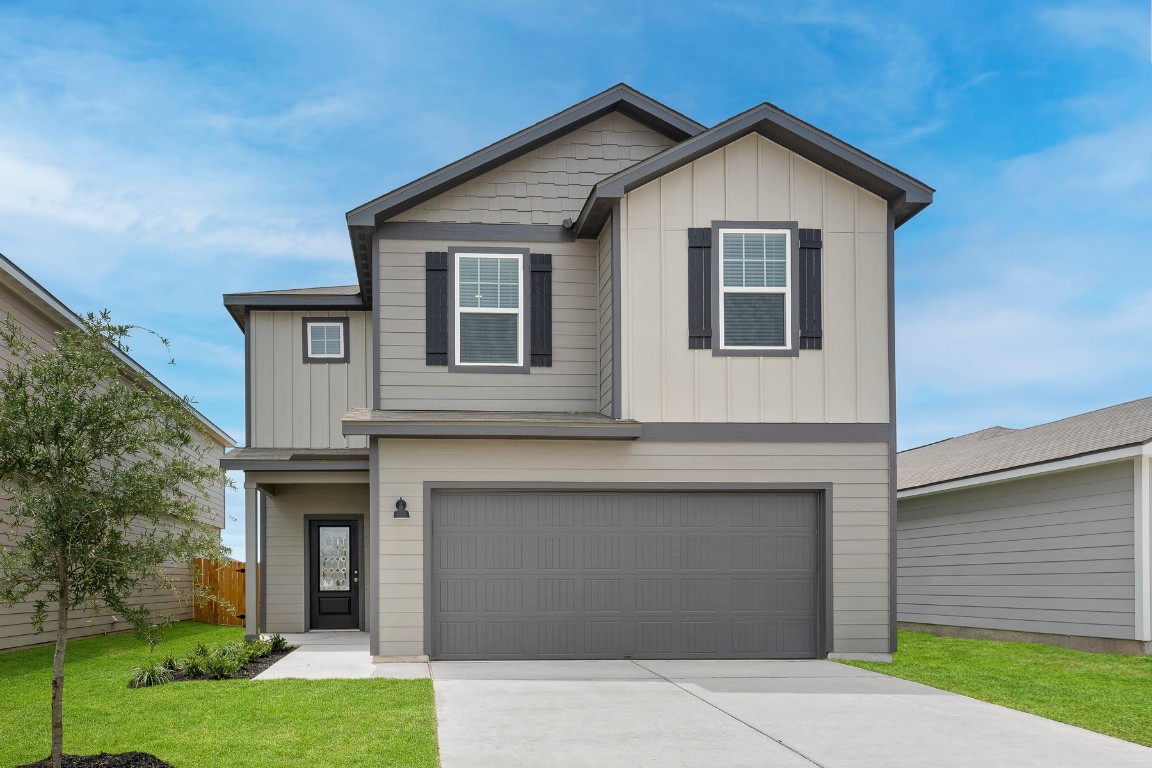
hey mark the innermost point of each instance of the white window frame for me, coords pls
(786, 290)
(326, 323)
(519, 311)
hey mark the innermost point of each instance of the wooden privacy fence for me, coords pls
(225, 582)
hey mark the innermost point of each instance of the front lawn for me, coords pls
(1107, 693)
(210, 724)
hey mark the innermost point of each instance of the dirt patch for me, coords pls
(105, 760)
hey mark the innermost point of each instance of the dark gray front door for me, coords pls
(625, 575)
(334, 573)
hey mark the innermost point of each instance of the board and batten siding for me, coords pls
(604, 325)
(550, 183)
(407, 382)
(285, 553)
(858, 472)
(296, 404)
(753, 179)
(1052, 554)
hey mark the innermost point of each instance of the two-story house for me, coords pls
(616, 386)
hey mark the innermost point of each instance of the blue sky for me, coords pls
(156, 155)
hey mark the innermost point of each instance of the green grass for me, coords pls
(210, 724)
(1107, 693)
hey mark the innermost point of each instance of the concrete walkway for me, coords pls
(332, 655)
(766, 714)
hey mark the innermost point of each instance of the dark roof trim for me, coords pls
(281, 465)
(620, 98)
(65, 315)
(238, 303)
(608, 430)
(907, 195)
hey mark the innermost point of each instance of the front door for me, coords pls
(334, 573)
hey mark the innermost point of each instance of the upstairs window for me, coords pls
(489, 320)
(326, 340)
(755, 295)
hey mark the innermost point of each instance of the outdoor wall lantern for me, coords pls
(401, 509)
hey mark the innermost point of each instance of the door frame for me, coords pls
(362, 597)
(824, 607)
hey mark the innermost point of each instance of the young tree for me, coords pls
(105, 481)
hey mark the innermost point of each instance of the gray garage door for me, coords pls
(624, 575)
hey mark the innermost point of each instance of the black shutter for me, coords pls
(541, 309)
(699, 288)
(811, 325)
(436, 308)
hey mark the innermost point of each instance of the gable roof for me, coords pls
(27, 288)
(907, 195)
(999, 448)
(620, 98)
(342, 298)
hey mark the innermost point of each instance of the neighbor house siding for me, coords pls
(285, 554)
(604, 324)
(16, 629)
(753, 179)
(858, 472)
(407, 382)
(1050, 554)
(296, 404)
(548, 184)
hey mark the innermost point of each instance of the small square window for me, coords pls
(325, 340)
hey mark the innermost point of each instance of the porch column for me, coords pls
(251, 556)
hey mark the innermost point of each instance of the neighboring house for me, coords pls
(42, 315)
(1038, 534)
(616, 386)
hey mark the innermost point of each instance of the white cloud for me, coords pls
(1121, 27)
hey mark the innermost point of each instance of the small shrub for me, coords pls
(258, 649)
(170, 663)
(279, 643)
(149, 674)
(192, 666)
(221, 665)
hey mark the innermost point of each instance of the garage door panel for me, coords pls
(624, 575)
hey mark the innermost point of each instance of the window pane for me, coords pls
(325, 339)
(755, 259)
(489, 283)
(754, 320)
(334, 558)
(488, 338)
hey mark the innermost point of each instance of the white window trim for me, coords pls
(786, 290)
(340, 326)
(457, 310)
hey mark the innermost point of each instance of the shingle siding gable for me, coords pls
(548, 184)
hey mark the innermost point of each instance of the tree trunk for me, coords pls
(58, 662)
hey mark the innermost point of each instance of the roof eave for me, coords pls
(238, 304)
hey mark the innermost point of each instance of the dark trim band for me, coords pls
(281, 465)
(454, 232)
(627, 430)
(691, 431)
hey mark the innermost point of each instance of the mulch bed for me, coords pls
(247, 672)
(105, 760)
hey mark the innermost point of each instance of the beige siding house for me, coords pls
(617, 386)
(1039, 534)
(41, 314)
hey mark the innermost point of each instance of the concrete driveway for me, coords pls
(791, 714)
